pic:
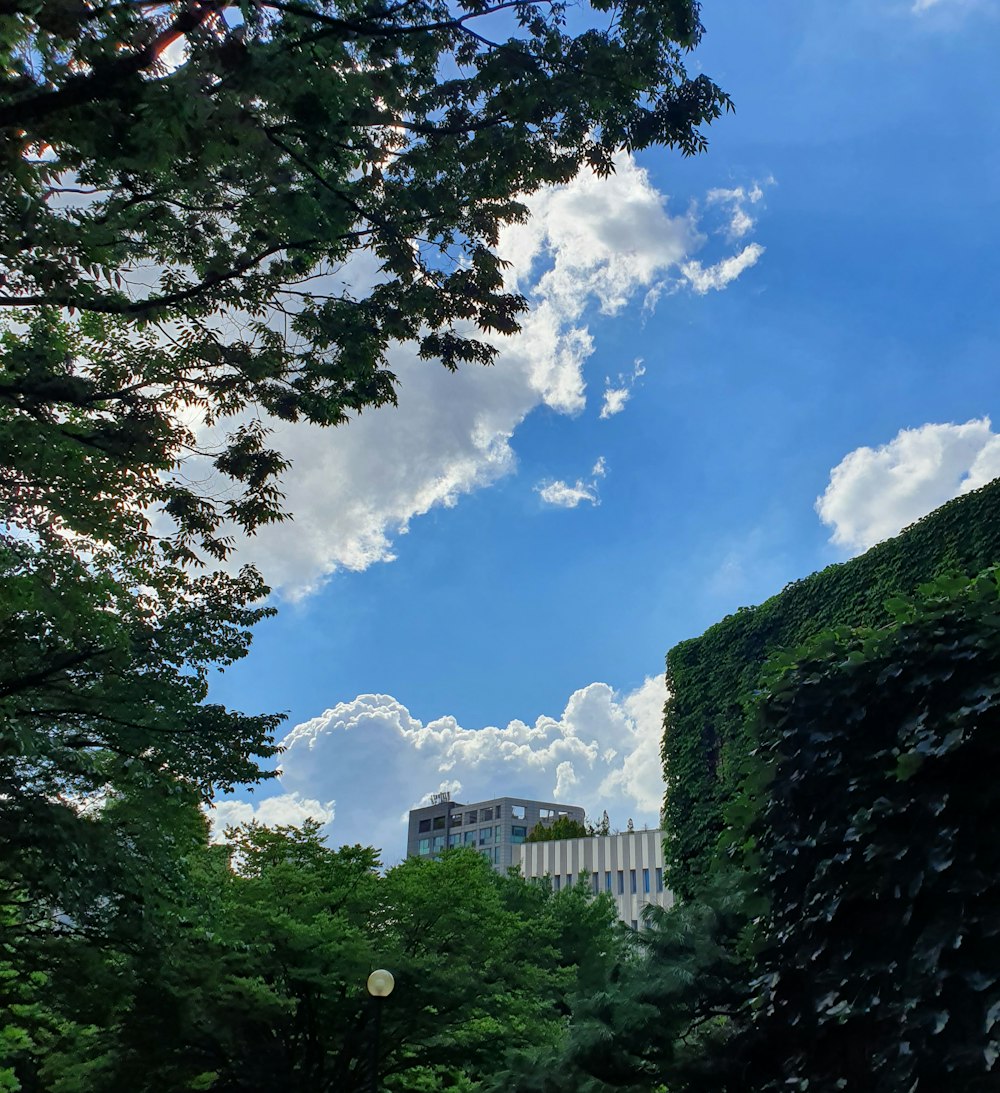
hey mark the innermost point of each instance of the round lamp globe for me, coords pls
(380, 983)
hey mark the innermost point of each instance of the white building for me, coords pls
(628, 865)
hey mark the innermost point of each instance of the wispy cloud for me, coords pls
(706, 279)
(738, 201)
(615, 397)
(566, 496)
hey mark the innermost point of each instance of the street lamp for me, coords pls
(380, 984)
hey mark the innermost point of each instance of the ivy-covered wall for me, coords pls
(706, 735)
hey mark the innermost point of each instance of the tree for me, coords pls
(252, 976)
(184, 184)
(661, 1016)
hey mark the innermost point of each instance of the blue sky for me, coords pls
(807, 311)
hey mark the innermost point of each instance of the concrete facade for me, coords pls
(628, 865)
(496, 828)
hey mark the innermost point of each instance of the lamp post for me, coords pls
(380, 984)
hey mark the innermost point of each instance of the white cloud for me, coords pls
(595, 244)
(616, 397)
(377, 761)
(703, 279)
(875, 492)
(284, 809)
(736, 200)
(565, 496)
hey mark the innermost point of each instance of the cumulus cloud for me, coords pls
(875, 492)
(615, 397)
(565, 496)
(284, 809)
(592, 246)
(376, 761)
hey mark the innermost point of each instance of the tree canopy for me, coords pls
(228, 207)
(243, 968)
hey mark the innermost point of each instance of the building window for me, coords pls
(471, 817)
(607, 881)
(594, 883)
(455, 838)
(631, 881)
(569, 880)
(659, 879)
(485, 835)
(456, 819)
(645, 880)
(424, 846)
(437, 844)
(487, 854)
(635, 924)
(517, 812)
(518, 834)
(485, 814)
(439, 823)
(555, 883)
(546, 813)
(425, 825)
(498, 812)
(470, 838)
(497, 833)
(621, 882)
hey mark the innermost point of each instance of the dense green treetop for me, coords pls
(244, 968)
(563, 827)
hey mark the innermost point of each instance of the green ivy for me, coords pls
(878, 967)
(707, 735)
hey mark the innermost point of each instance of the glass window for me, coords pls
(621, 882)
(518, 834)
(455, 838)
(485, 835)
(485, 814)
(635, 924)
(546, 813)
(498, 812)
(569, 880)
(425, 825)
(631, 881)
(471, 817)
(595, 883)
(497, 833)
(659, 879)
(439, 823)
(424, 846)
(470, 838)
(607, 881)
(437, 844)
(456, 819)
(645, 880)
(517, 812)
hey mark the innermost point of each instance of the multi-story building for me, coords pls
(628, 865)
(495, 828)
